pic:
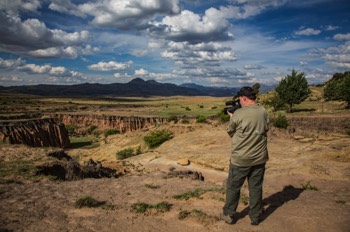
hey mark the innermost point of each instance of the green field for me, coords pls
(17, 105)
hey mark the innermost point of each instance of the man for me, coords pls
(248, 128)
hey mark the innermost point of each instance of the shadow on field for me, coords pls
(275, 201)
(80, 144)
(303, 110)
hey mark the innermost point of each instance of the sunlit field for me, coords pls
(13, 105)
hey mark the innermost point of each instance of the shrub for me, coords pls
(91, 129)
(173, 118)
(128, 152)
(201, 119)
(156, 138)
(280, 121)
(223, 117)
(183, 214)
(185, 120)
(111, 132)
(71, 129)
(188, 108)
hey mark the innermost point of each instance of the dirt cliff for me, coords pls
(321, 123)
(123, 124)
(35, 132)
(316, 123)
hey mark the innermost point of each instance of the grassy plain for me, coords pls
(12, 105)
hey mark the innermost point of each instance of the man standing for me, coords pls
(248, 128)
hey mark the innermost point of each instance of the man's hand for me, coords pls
(229, 113)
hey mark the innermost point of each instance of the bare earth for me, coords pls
(322, 161)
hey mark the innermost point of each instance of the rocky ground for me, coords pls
(307, 186)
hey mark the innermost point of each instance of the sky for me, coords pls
(220, 43)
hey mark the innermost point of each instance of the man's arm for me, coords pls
(231, 129)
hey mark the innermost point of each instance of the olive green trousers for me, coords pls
(235, 180)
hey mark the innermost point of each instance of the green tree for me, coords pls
(293, 89)
(338, 88)
(256, 87)
(345, 89)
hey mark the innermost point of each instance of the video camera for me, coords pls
(234, 105)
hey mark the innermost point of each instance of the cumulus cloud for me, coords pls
(110, 66)
(307, 32)
(192, 28)
(242, 9)
(141, 72)
(23, 5)
(11, 78)
(11, 64)
(202, 54)
(35, 69)
(67, 7)
(342, 36)
(54, 71)
(338, 57)
(122, 14)
(39, 39)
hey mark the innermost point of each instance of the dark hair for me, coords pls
(247, 92)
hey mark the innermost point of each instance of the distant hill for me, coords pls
(137, 87)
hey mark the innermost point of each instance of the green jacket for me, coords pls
(248, 128)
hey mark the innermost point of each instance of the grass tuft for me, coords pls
(308, 186)
(151, 186)
(142, 207)
(89, 202)
(197, 193)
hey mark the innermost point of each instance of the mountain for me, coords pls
(136, 87)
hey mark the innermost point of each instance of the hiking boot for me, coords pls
(229, 219)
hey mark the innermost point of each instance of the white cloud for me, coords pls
(35, 69)
(65, 6)
(15, 5)
(141, 72)
(338, 57)
(70, 52)
(308, 32)
(303, 63)
(242, 9)
(342, 36)
(251, 66)
(10, 79)
(192, 28)
(111, 65)
(11, 64)
(331, 28)
(201, 54)
(122, 14)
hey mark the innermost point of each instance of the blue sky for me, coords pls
(212, 43)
